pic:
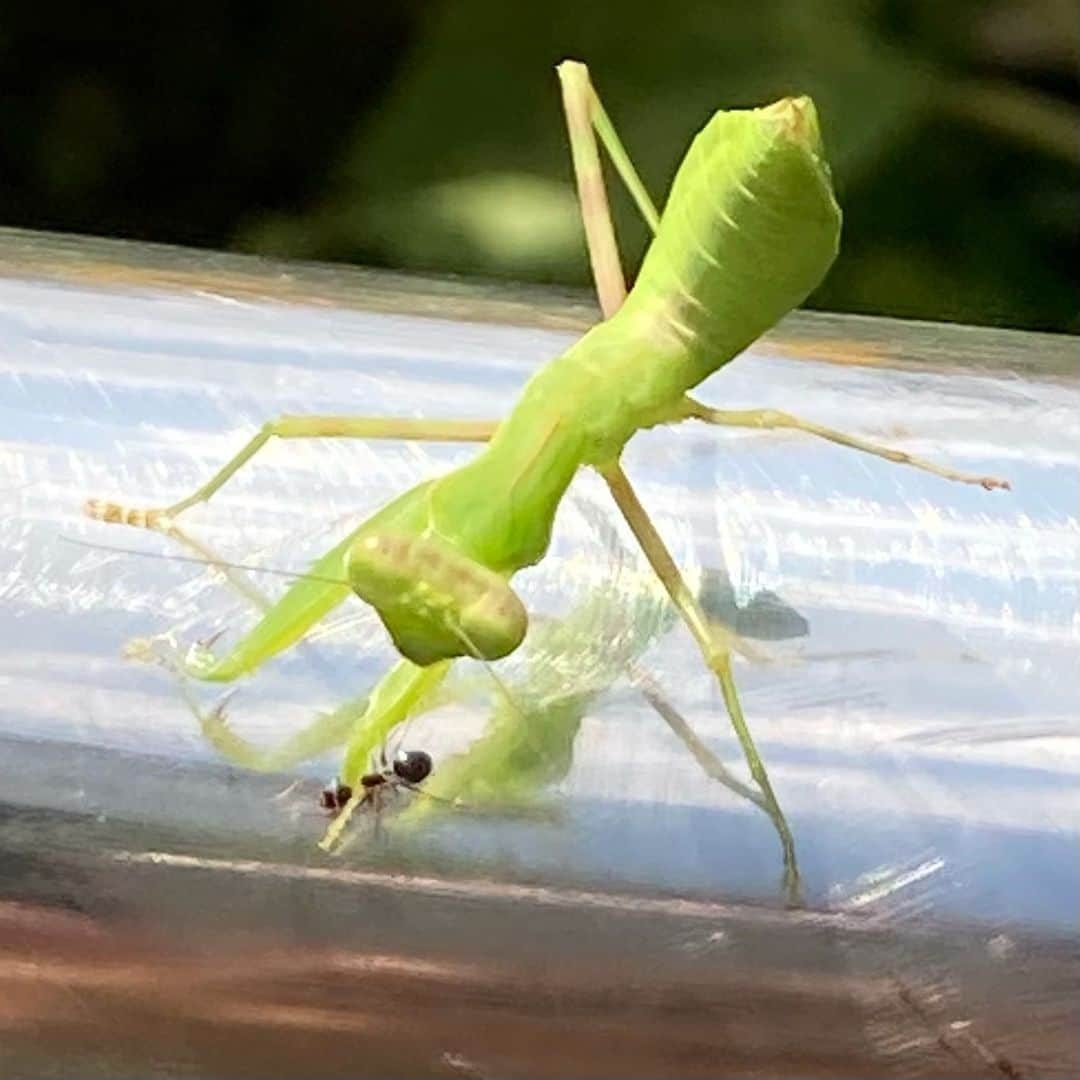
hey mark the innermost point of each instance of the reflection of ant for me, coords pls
(409, 768)
(952, 1035)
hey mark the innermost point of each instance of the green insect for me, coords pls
(749, 229)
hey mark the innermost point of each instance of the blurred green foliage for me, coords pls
(429, 135)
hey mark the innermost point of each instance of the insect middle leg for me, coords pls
(313, 596)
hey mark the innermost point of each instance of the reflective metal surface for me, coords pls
(163, 913)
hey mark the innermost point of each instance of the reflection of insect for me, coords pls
(750, 228)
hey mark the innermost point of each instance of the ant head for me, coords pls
(412, 765)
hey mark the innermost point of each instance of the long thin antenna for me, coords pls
(500, 683)
(296, 575)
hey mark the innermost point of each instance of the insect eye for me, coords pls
(412, 765)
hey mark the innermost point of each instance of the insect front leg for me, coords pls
(305, 602)
(327, 732)
(400, 692)
(773, 419)
(295, 427)
(325, 586)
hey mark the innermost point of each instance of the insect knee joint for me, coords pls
(773, 418)
(717, 657)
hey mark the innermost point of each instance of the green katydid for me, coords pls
(749, 229)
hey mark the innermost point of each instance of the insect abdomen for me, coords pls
(750, 228)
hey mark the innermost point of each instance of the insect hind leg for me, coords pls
(716, 643)
(774, 419)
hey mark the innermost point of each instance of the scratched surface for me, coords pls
(922, 736)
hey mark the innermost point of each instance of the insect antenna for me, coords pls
(386, 755)
(213, 724)
(398, 735)
(475, 654)
(456, 804)
(501, 686)
(205, 560)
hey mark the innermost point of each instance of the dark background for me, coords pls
(427, 134)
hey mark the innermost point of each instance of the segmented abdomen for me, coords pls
(749, 230)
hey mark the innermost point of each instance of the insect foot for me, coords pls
(115, 513)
